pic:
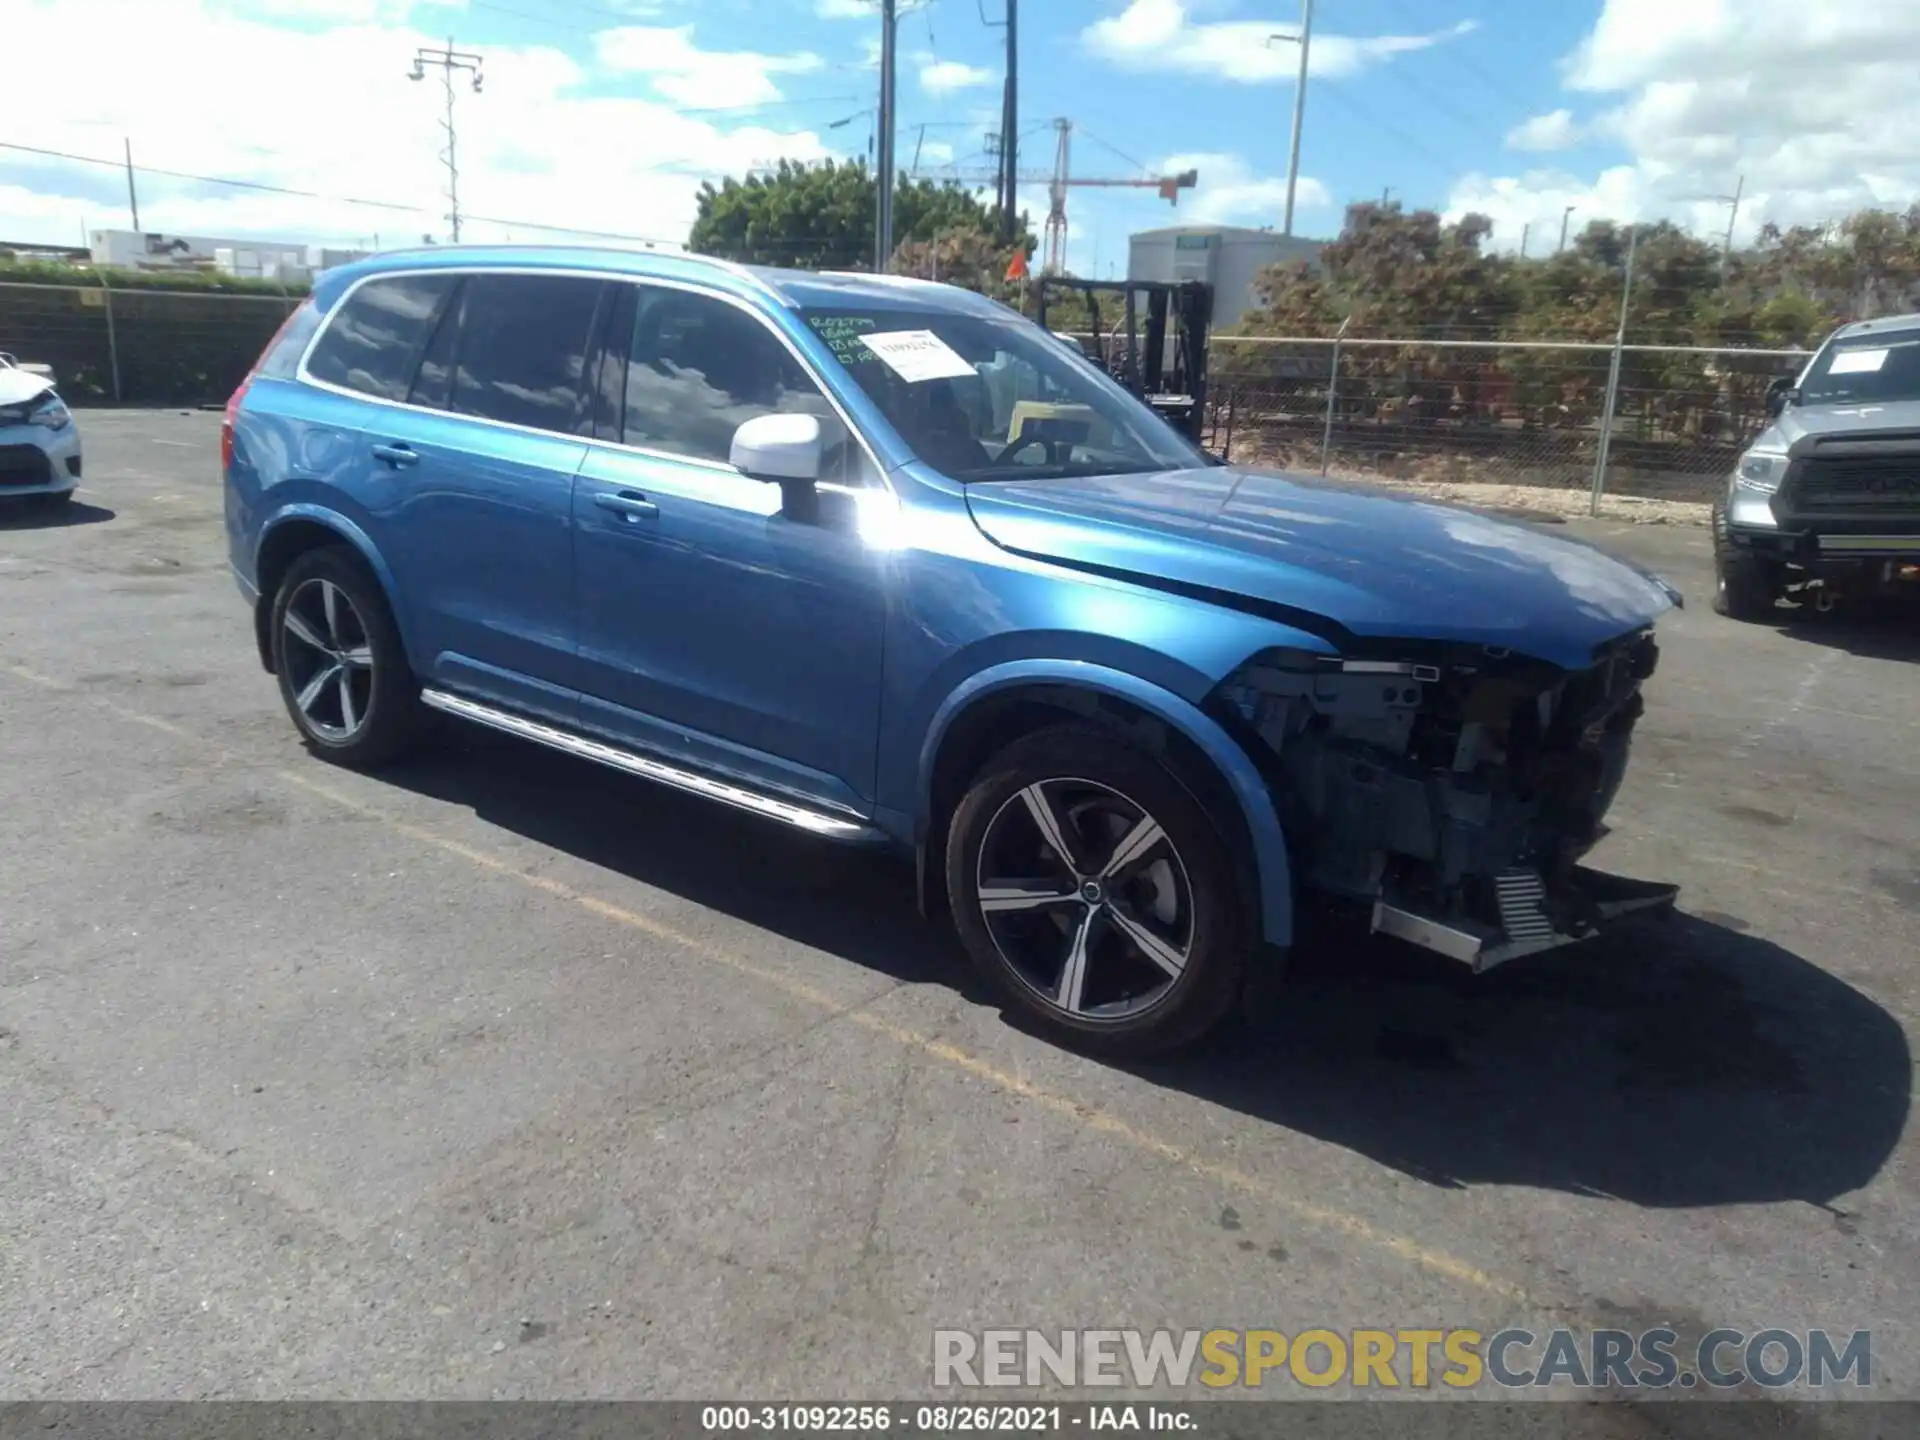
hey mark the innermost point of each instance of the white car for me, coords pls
(39, 441)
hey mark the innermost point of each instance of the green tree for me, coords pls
(820, 217)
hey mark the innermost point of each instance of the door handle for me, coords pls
(628, 503)
(396, 455)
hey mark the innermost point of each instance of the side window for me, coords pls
(699, 368)
(521, 355)
(374, 336)
(433, 382)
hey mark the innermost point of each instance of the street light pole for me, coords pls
(448, 60)
(1565, 215)
(1305, 41)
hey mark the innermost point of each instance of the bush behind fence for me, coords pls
(1497, 412)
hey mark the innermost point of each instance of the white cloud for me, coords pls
(1161, 35)
(537, 143)
(1230, 193)
(683, 71)
(1812, 106)
(943, 77)
(1552, 131)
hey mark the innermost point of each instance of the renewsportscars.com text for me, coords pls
(1412, 1358)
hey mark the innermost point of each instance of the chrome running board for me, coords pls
(787, 812)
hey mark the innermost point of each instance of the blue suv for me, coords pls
(883, 562)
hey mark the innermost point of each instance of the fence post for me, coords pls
(1333, 385)
(1613, 379)
(113, 343)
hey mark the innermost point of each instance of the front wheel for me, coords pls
(1091, 888)
(1744, 586)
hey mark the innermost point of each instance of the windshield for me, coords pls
(1865, 369)
(983, 398)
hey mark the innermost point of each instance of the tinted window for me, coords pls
(699, 368)
(522, 349)
(375, 334)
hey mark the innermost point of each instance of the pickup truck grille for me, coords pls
(1858, 482)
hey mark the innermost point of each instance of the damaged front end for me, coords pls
(1452, 788)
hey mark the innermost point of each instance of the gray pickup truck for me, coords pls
(1826, 502)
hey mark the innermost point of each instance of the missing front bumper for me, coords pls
(1527, 917)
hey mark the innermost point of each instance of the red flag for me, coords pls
(1017, 267)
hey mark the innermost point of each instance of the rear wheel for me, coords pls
(343, 672)
(1091, 889)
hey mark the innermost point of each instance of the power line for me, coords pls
(265, 188)
(1387, 126)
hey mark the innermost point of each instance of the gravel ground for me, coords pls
(498, 1075)
(1550, 501)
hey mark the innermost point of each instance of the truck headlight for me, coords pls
(53, 415)
(1760, 471)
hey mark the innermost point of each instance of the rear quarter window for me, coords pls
(374, 337)
(282, 358)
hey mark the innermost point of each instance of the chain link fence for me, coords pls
(108, 345)
(1662, 422)
(1506, 412)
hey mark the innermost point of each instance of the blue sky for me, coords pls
(605, 114)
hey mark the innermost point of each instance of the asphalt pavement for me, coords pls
(501, 1075)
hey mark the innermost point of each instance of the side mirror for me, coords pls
(786, 450)
(1780, 394)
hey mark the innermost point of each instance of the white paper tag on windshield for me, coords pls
(916, 355)
(1856, 362)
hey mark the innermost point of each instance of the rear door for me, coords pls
(478, 463)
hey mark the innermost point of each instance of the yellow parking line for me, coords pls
(1102, 1122)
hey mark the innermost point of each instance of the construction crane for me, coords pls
(1058, 181)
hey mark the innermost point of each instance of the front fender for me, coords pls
(1272, 871)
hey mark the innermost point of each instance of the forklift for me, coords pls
(1170, 378)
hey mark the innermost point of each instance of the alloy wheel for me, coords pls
(329, 660)
(1086, 898)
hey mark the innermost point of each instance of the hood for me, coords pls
(1804, 422)
(1369, 563)
(17, 385)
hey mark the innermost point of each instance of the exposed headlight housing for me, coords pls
(1760, 471)
(51, 414)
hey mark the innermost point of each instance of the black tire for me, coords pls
(1182, 890)
(364, 707)
(1744, 588)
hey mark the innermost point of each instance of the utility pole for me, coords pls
(1010, 128)
(1304, 40)
(1732, 202)
(133, 198)
(448, 60)
(1525, 231)
(1565, 215)
(883, 208)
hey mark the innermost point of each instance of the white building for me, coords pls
(250, 259)
(1228, 257)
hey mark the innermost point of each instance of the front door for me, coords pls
(711, 626)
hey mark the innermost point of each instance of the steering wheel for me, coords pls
(1024, 442)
